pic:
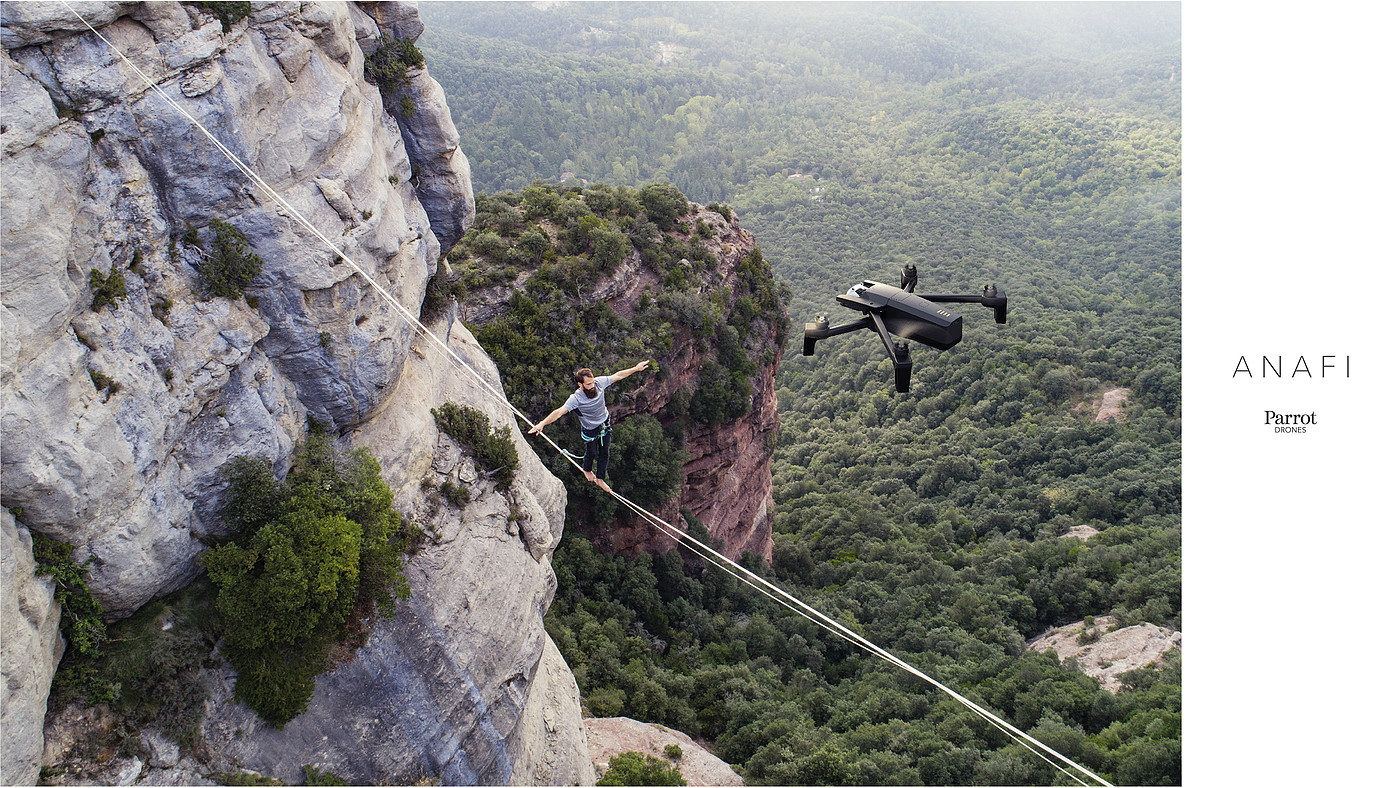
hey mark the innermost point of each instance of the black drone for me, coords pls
(900, 312)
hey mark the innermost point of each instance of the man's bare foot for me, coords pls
(602, 484)
(589, 476)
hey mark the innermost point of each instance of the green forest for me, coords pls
(1034, 146)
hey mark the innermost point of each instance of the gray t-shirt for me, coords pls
(592, 412)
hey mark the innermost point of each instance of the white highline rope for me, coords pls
(714, 557)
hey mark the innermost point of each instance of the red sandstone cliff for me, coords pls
(728, 483)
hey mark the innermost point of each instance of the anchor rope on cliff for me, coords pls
(714, 557)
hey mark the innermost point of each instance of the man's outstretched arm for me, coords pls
(620, 374)
(553, 416)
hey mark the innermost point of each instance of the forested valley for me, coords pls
(1034, 146)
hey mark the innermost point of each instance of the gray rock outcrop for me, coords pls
(611, 736)
(1105, 652)
(554, 742)
(29, 653)
(101, 173)
(118, 420)
(442, 172)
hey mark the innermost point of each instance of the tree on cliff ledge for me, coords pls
(310, 556)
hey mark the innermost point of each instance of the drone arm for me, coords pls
(990, 298)
(899, 354)
(821, 330)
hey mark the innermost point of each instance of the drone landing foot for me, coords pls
(903, 367)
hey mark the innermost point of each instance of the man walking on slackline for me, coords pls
(593, 417)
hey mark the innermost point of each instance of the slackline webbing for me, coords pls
(706, 552)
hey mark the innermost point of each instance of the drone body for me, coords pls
(900, 312)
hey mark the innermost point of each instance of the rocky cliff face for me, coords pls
(110, 174)
(441, 689)
(117, 420)
(29, 652)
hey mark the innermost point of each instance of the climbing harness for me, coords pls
(602, 431)
(714, 557)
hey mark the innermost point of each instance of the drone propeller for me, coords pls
(908, 278)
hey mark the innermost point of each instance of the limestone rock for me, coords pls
(364, 28)
(186, 772)
(399, 20)
(166, 21)
(612, 736)
(113, 177)
(443, 686)
(1107, 653)
(1081, 532)
(332, 31)
(127, 771)
(555, 750)
(165, 754)
(27, 24)
(30, 648)
(444, 176)
(1111, 407)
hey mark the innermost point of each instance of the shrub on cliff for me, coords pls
(227, 12)
(81, 622)
(664, 204)
(151, 664)
(492, 449)
(108, 289)
(388, 66)
(648, 464)
(311, 555)
(725, 389)
(721, 395)
(633, 768)
(230, 266)
(539, 200)
(610, 247)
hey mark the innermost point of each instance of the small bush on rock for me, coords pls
(81, 622)
(633, 768)
(106, 290)
(227, 12)
(388, 66)
(231, 266)
(492, 449)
